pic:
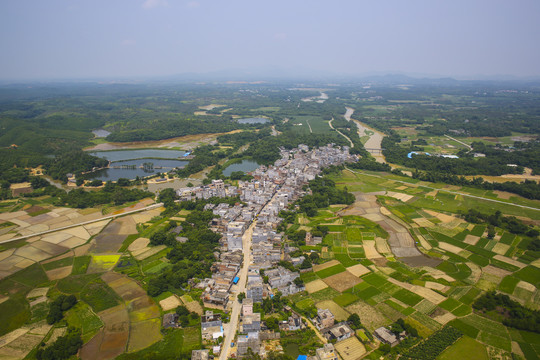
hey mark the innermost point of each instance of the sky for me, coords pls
(76, 39)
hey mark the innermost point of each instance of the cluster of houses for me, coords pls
(325, 323)
(271, 190)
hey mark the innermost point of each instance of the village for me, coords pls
(247, 271)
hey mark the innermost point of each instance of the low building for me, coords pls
(324, 319)
(339, 332)
(170, 320)
(249, 341)
(211, 326)
(386, 336)
(251, 323)
(247, 307)
(328, 352)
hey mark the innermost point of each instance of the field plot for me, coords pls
(465, 349)
(82, 316)
(350, 349)
(371, 317)
(143, 334)
(315, 286)
(358, 270)
(172, 302)
(342, 281)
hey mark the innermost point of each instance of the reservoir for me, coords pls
(119, 155)
(138, 162)
(253, 120)
(245, 166)
(130, 169)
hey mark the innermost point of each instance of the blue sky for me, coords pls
(61, 39)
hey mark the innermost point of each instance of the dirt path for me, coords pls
(340, 133)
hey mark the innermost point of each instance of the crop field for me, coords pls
(342, 281)
(466, 349)
(331, 271)
(101, 263)
(82, 317)
(99, 295)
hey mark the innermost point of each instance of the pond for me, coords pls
(245, 166)
(254, 120)
(120, 155)
(130, 169)
(100, 133)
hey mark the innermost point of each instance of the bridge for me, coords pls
(374, 150)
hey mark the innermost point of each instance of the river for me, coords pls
(375, 136)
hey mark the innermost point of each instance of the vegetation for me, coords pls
(63, 348)
(513, 313)
(58, 306)
(433, 346)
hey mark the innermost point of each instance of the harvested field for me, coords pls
(371, 318)
(342, 281)
(315, 286)
(37, 292)
(59, 273)
(350, 349)
(195, 307)
(14, 335)
(436, 286)
(144, 334)
(139, 244)
(340, 314)
(449, 247)
(443, 217)
(495, 271)
(20, 347)
(526, 286)
(147, 252)
(172, 302)
(471, 239)
(509, 261)
(326, 265)
(371, 251)
(358, 270)
(500, 248)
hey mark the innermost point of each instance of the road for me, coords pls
(310, 325)
(149, 207)
(451, 192)
(345, 136)
(459, 142)
(230, 332)
(308, 124)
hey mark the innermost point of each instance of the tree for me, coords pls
(491, 231)
(272, 324)
(241, 296)
(354, 320)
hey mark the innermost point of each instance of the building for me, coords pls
(339, 332)
(386, 336)
(324, 319)
(251, 323)
(328, 352)
(249, 341)
(247, 307)
(211, 326)
(170, 320)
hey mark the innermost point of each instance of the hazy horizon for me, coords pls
(73, 39)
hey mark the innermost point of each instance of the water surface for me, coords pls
(245, 166)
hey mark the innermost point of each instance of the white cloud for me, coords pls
(193, 4)
(150, 4)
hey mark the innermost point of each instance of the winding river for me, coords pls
(375, 136)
